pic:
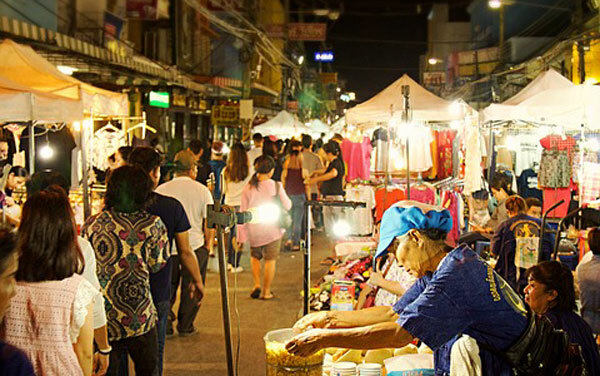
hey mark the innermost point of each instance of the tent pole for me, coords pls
(581, 165)
(31, 137)
(405, 120)
(84, 186)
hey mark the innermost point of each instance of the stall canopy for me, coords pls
(317, 127)
(339, 125)
(425, 106)
(22, 104)
(509, 110)
(283, 125)
(26, 67)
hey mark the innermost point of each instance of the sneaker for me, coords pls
(188, 334)
(239, 269)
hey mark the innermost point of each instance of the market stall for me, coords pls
(317, 127)
(62, 111)
(283, 125)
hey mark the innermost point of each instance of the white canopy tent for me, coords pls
(339, 125)
(317, 127)
(510, 110)
(425, 106)
(22, 104)
(283, 125)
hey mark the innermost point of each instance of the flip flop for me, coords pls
(255, 294)
(271, 298)
(328, 261)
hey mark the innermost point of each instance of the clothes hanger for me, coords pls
(109, 127)
(144, 127)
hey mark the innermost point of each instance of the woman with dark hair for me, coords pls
(129, 244)
(293, 178)
(332, 188)
(122, 155)
(51, 317)
(17, 176)
(551, 292)
(516, 241)
(13, 362)
(501, 188)
(235, 177)
(265, 238)
(271, 149)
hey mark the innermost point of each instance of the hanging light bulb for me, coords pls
(46, 152)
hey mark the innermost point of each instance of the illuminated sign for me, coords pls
(324, 56)
(158, 99)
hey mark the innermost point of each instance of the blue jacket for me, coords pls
(504, 245)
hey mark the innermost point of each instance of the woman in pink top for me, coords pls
(50, 318)
(264, 238)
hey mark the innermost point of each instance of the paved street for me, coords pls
(204, 353)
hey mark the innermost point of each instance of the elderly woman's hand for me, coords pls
(312, 320)
(375, 279)
(307, 343)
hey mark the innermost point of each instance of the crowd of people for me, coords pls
(107, 290)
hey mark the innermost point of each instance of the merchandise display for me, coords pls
(281, 363)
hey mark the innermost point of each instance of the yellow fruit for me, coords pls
(378, 356)
(408, 349)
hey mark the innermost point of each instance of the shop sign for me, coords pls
(292, 106)
(328, 78)
(225, 115)
(203, 104)
(113, 25)
(158, 99)
(147, 9)
(434, 78)
(324, 56)
(315, 31)
(275, 30)
(179, 100)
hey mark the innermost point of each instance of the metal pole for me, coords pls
(31, 148)
(501, 44)
(224, 295)
(405, 120)
(84, 186)
(307, 248)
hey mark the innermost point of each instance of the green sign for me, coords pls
(159, 99)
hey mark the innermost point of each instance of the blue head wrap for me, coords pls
(398, 221)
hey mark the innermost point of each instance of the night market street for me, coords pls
(204, 353)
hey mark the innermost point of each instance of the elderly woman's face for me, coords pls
(411, 255)
(538, 296)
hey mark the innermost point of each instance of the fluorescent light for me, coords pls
(494, 4)
(67, 70)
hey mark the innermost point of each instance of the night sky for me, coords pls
(376, 41)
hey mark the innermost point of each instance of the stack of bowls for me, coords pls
(344, 369)
(369, 369)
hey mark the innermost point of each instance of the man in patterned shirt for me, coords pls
(129, 244)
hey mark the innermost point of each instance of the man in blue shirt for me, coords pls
(457, 293)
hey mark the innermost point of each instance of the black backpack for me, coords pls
(543, 350)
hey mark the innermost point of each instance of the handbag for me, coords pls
(285, 220)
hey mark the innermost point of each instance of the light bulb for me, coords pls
(46, 152)
(494, 4)
(341, 228)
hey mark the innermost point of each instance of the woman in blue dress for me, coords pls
(456, 293)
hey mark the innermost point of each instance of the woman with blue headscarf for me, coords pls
(456, 293)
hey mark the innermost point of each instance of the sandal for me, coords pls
(268, 298)
(255, 294)
(328, 261)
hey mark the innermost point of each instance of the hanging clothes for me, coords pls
(361, 219)
(420, 139)
(590, 186)
(528, 184)
(450, 201)
(61, 142)
(555, 169)
(554, 195)
(357, 156)
(424, 195)
(576, 166)
(528, 152)
(434, 155)
(445, 141)
(386, 197)
(105, 143)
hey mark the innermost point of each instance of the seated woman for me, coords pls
(516, 243)
(551, 292)
(388, 282)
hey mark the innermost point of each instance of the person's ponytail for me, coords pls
(254, 180)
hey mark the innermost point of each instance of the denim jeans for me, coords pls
(143, 350)
(297, 214)
(233, 257)
(161, 326)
